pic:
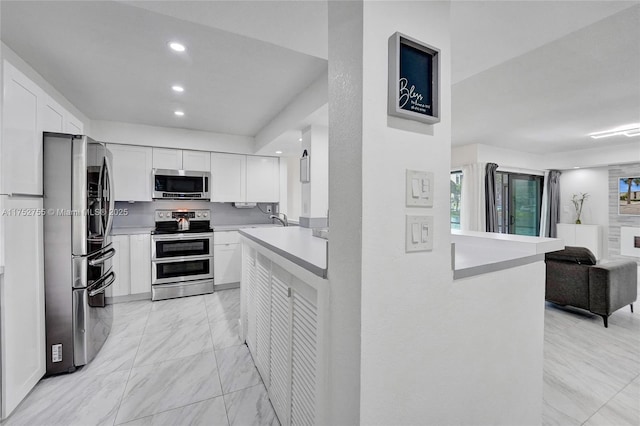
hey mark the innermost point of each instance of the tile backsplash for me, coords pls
(140, 214)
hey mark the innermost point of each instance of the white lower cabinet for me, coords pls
(23, 306)
(281, 328)
(132, 265)
(227, 257)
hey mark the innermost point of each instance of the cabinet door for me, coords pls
(304, 374)
(227, 263)
(263, 179)
(164, 158)
(140, 258)
(52, 116)
(198, 161)
(73, 125)
(248, 292)
(228, 177)
(22, 293)
(263, 315)
(121, 266)
(280, 357)
(21, 134)
(131, 172)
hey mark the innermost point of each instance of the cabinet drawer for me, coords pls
(226, 237)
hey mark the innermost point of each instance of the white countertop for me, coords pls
(481, 252)
(243, 226)
(132, 230)
(293, 243)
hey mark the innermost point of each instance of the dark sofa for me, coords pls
(574, 278)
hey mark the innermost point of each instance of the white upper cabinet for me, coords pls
(52, 116)
(22, 133)
(263, 179)
(131, 172)
(197, 161)
(228, 177)
(179, 159)
(73, 125)
(164, 158)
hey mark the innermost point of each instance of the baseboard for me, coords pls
(127, 298)
(227, 286)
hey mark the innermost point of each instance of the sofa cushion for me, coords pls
(579, 255)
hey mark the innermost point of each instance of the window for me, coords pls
(456, 190)
(518, 201)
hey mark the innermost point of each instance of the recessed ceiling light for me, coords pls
(278, 152)
(179, 89)
(300, 140)
(178, 113)
(627, 130)
(576, 167)
(177, 46)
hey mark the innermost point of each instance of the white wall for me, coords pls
(506, 159)
(169, 137)
(293, 187)
(595, 182)
(315, 193)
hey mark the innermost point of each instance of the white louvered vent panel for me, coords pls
(303, 361)
(250, 273)
(263, 316)
(280, 369)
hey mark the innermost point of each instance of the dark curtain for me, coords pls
(490, 197)
(554, 201)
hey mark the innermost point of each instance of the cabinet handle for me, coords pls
(23, 195)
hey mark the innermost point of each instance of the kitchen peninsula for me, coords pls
(285, 315)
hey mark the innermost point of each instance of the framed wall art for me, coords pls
(414, 79)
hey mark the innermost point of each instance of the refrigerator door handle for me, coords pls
(110, 195)
(100, 260)
(101, 284)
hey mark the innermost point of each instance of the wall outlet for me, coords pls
(269, 208)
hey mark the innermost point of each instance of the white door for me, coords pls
(164, 158)
(197, 161)
(21, 134)
(263, 316)
(22, 295)
(121, 266)
(227, 262)
(263, 179)
(228, 177)
(131, 172)
(280, 357)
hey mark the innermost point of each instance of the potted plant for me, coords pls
(578, 201)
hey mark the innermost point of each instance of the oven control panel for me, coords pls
(173, 215)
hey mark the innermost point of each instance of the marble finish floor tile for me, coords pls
(172, 344)
(250, 407)
(131, 308)
(155, 388)
(223, 305)
(225, 334)
(236, 368)
(72, 399)
(129, 325)
(192, 314)
(117, 354)
(210, 412)
(622, 410)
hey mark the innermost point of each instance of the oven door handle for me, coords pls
(100, 260)
(101, 284)
(181, 258)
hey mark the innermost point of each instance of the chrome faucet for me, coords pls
(276, 216)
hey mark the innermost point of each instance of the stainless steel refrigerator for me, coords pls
(78, 205)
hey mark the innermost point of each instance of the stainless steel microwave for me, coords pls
(181, 185)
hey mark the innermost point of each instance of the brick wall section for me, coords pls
(615, 220)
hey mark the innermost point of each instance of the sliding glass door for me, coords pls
(519, 201)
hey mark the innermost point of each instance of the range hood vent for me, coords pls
(244, 205)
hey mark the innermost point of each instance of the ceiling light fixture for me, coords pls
(628, 130)
(178, 113)
(300, 140)
(278, 152)
(177, 46)
(178, 89)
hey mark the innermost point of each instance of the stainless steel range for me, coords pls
(181, 254)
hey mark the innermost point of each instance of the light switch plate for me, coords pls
(419, 233)
(419, 189)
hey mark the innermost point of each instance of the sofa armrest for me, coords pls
(612, 285)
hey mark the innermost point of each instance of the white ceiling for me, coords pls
(530, 75)
(111, 60)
